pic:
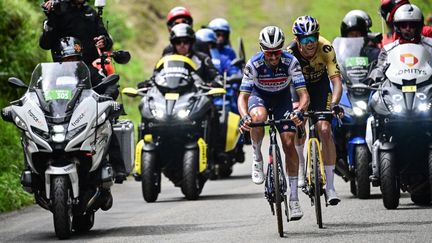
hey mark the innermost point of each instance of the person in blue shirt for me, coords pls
(222, 29)
(266, 84)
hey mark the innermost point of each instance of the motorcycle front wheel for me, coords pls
(191, 183)
(61, 206)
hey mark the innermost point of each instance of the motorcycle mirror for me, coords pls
(131, 92)
(238, 62)
(110, 80)
(216, 91)
(121, 57)
(16, 83)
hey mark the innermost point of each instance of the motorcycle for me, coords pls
(353, 156)
(401, 127)
(231, 149)
(177, 123)
(66, 130)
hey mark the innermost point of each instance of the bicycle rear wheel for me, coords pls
(317, 184)
(277, 192)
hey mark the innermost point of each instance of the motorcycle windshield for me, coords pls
(174, 73)
(409, 63)
(353, 63)
(58, 84)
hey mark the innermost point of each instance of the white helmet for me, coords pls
(408, 13)
(271, 38)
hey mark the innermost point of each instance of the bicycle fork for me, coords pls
(309, 189)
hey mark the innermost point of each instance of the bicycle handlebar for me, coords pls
(284, 121)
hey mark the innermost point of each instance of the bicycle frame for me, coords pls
(313, 139)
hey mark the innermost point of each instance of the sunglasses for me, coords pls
(308, 39)
(405, 25)
(180, 41)
(272, 53)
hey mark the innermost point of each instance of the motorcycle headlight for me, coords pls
(361, 104)
(424, 106)
(158, 113)
(58, 134)
(183, 113)
(357, 111)
(20, 123)
(397, 108)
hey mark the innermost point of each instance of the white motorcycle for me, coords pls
(399, 133)
(66, 131)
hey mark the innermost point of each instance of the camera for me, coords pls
(58, 6)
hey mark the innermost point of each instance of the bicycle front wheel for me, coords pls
(277, 192)
(317, 183)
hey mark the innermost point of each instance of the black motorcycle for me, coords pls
(402, 127)
(177, 121)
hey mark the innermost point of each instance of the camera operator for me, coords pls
(77, 20)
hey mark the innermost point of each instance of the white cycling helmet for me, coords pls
(271, 38)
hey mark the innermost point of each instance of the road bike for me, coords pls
(275, 184)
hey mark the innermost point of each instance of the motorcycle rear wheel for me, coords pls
(83, 223)
(61, 206)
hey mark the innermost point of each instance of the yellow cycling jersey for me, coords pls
(322, 66)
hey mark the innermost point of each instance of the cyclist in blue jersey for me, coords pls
(223, 29)
(266, 84)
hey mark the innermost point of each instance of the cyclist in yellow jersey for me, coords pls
(319, 66)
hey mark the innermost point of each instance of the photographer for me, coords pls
(75, 18)
(69, 21)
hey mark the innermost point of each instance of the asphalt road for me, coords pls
(229, 210)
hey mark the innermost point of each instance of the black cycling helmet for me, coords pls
(180, 31)
(352, 22)
(68, 47)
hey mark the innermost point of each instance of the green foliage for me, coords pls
(19, 49)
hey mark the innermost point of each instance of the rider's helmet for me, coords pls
(179, 13)
(305, 25)
(221, 27)
(182, 31)
(68, 47)
(389, 7)
(353, 22)
(363, 15)
(408, 14)
(206, 35)
(271, 38)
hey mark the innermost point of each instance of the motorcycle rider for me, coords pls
(387, 10)
(266, 84)
(70, 49)
(223, 29)
(408, 25)
(177, 15)
(354, 25)
(318, 63)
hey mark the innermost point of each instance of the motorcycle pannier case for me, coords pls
(124, 131)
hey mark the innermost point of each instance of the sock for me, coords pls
(257, 156)
(300, 149)
(293, 183)
(329, 173)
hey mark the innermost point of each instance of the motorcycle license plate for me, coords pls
(172, 96)
(409, 89)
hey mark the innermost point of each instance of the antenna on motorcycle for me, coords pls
(241, 52)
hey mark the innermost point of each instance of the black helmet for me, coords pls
(182, 31)
(68, 47)
(353, 22)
